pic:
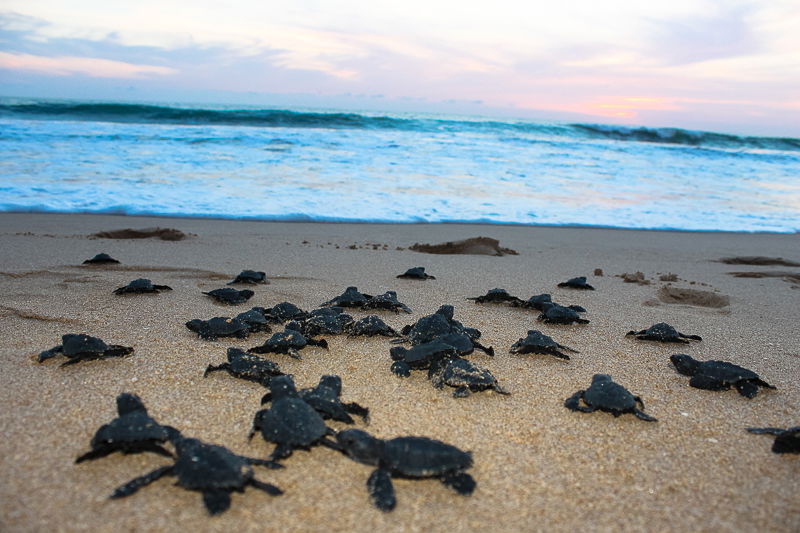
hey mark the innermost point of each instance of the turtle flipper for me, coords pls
(217, 368)
(766, 431)
(269, 488)
(137, 483)
(641, 415)
(461, 482)
(95, 454)
(574, 403)
(217, 500)
(746, 388)
(381, 490)
(355, 409)
(52, 352)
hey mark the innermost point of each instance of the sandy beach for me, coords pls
(538, 465)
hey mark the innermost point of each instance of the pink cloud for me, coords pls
(87, 66)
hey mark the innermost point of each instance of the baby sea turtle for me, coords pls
(553, 313)
(351, 297)
(101, 259)
(230, 296)
(718, 375)
(387, 301)
(243, 365)
(325, 321)
(663, 332)
(255, 319)
(606, 395)
(140, 286)
(577, 283)
(420, 357)
(536, 301)
(219, 326)
(496, 296)
(786, 440)
(325, 399)
(370, 326)
(290, 422)
(213, 470)
(408, 457)
(439, 324)
(416, 273)
(537, 342)
(465, 376)
(288, 341)
(250, 277)
(81, 347)
(285, 311)
(133, 431)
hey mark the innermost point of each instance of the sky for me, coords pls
(727, 65)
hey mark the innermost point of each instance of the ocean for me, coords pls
(282, 164)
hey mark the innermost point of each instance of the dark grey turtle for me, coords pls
(387, 301)
(325, 399)
(290, 422)
(538, 342)
(536, 301)
(416, 273)
(288, 341)
(133, 431)
(370, 326)
(496, 296)
(286, 311)
(250, 277)
(606, 395)
(439, 324)
(141, 286)
(420, 357)
(101, 259)
(349, 298)
(326, 321)
(663, 332)
(81, 347)
(230, 296)
(718, 375)
(219, 326)
(553, 313)
(786, 440)
(255, 319)
(213, 470)
(465, 376)
(577, 283)
(407, 457)
(243, 365)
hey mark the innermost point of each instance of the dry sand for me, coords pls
(539, 466)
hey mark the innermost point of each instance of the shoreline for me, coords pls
(538, 466)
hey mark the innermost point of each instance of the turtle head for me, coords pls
(360, 446)
(600, 378)
(685, 364)
(128, 403)
(235, 353)
(398, 353)
(446, 311)
(282, 387)
(332, 382)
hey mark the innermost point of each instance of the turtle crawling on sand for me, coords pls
(219, 326)
(141, 286)
(718, 375)
(407, 457)
(288, 341)
(81, 347)
(786, 440)
(497, 296)
(133, 431)
(213, 470)
(230, 296)
(420, 357)
(663, 332)
(370, 326)
(246, 366)
(416, 273)
(325, 399)
(250, 277)
(351, 297)
(387, 301)
(465, 376)
(577, 283)
(441, 324)
(553, 313)
(606, 395)
(538, 342)
(101, 259)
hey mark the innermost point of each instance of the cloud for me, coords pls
(88, 66)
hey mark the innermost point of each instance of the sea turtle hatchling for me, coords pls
(786, 440)
(576, 283)
(141, 286)
(290, 422)
(370, 326)
(419, 357)
(133, 431)
(465, 376)
(219, 326)
(101, 259)
(246, 366)
(324, 321)
(718, 375)
(496, 296)
(606, 395)
(284, 312)
(351, 297)
(538, 342)
(416, 273)
(255, 319)
(230, 296)
(250, 277)
(387, 301)
(407, 457)
(288, 341)
(325, 399)
(81, 347)
(213, 470)
(553, 313)
(440, 324)
(663, 332)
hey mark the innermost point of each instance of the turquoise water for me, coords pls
(279, 164)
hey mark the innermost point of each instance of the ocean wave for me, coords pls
(284, 118)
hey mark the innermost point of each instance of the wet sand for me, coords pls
(538, 466)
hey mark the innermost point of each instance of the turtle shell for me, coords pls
(423, 457)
